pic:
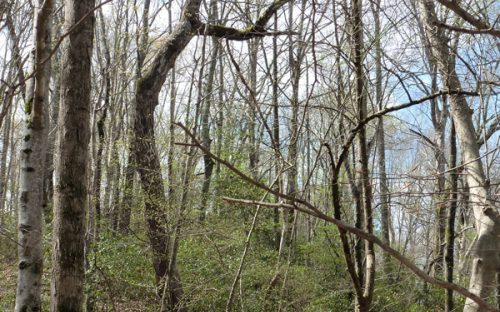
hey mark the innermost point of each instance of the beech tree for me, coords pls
(71, 162)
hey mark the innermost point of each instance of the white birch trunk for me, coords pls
(32, 156)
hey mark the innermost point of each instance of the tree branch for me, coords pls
(254, 31)
(494, 127)
(425, 138)
(481, 25)
(350, 139)
(470, 31)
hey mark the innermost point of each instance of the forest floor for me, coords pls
(121, 278)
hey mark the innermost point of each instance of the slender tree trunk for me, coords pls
(485, 257)
(114, 208)
(356, 191)
(252, 107)
(450, 234)
(12, 171)
(172, 276)
(171, 127)
(276, 134)
(294, 62)
(95, 213)
(101, 124)
(32, 155)
(205, 118)
(5, 140)
(385, 215)
(219, 120)
(369, 274)
(3, 162)
(128, 201)
(48, 188)
(439, 119)
(440, 198)
(70, 196)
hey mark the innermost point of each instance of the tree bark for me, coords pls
(32, 155)
(144, 149)
(142, 36)
(450, 234)
(205, 124)
(3, 160)
(276, 137)
(71, 163)
(48, 197)
(385, 214)
(369, 266)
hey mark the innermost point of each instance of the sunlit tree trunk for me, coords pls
(385, 215)
(205, 117)
(361, 101)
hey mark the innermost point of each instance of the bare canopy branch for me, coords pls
(481, 25)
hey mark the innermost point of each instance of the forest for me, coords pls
(266, 155)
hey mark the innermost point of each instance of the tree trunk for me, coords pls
(369, 266)
(142, 36)
(48, 188)
(205, 132)
(252, 107)
(450, 234)
(385, 215)
(439, 119)
(276, 137)
(3, 161)
(143, 143)
(485, 257)
(101, 124)
(32, 155)
(70, 196)
(294, 63)
(356, 191)
(171, 126)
